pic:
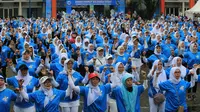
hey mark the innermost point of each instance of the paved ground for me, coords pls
(194, 106)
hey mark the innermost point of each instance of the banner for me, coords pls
(48, 9)
(95, 2)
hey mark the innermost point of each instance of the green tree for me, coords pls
(146, 8)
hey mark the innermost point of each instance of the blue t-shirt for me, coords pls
(99, 105)
(53, 106)
(117, 94)
(62, 79)
(6, 96)
(175, 94)
(34, 82)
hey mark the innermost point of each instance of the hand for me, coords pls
(51, 73)
(17, 52)
(129, 60)
(86, 69)
(48, 52)
(134, 68)
(155, 67)
(78, 53)
(10, 63)
(144, 75)
(109, 75)
(69, 72)
(137, 83)
(42, 61)
(192, 73)
(104, 68)
(158, 73)
(86, 54)
(94, 59)
(112, 69)
(20, 82)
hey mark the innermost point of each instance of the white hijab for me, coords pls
(26, 78)
(172, 77)
(93, 94)
(62, 55)
(48, 94)
(84, 41)
(191, 47)
(65, 72)
(162, 77)
(182, 68)
(29, 60)
(78, 44)
(116, 76)
(155, 51)
(118, 51)
(89, 48)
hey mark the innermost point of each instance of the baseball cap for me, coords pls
(44, 78)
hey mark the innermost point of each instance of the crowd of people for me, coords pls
(56, 61)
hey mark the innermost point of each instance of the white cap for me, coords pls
(44, 78)
(109, 56)
(1, 77)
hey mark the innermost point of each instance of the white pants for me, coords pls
(69, 106)
(156, 108)
(113, 105)
(69, 109)
(29, 109)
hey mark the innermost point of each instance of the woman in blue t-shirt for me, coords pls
(95, 95)
(128, 94)
(176, 89)
(6, 96)
(47, 98)
(29, 85)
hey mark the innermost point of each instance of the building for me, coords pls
(26, 8)
(176, 7)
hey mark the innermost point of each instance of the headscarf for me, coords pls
(26, 78)
(78, 44)
(118, 75)
(172, 78)
(182, 68)
(181, 50)
(89, 48)
(29, 60)
(156, 30)
(62, 55)
(192, 46)
(84, 41)
(162, 76)
(61, 52)
(58, 49)
(155, 50)
(65, 72)
(118, 51)
(48, 94)
(93, 94)
(129, 98)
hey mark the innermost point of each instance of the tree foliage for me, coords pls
(144, 8)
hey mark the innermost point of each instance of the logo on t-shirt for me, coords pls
(5, 98)
(182, 88)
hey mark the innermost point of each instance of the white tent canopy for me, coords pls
(194, 10)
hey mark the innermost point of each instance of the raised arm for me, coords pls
(71, 84)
